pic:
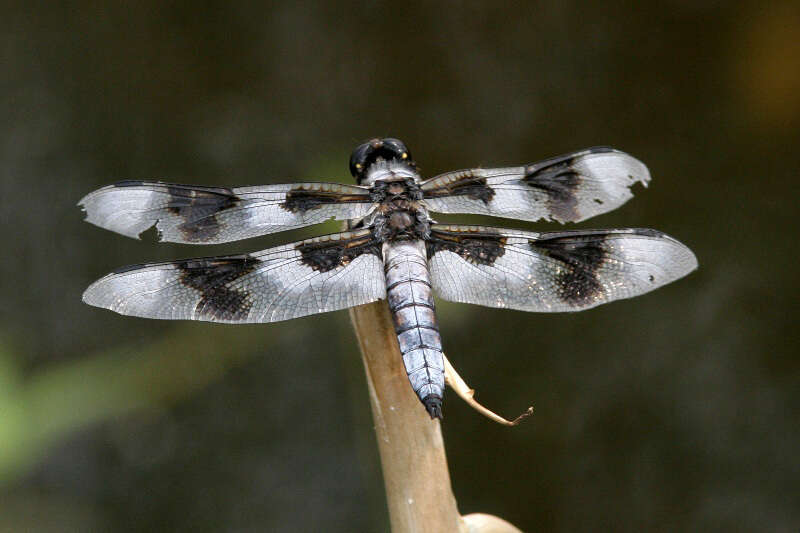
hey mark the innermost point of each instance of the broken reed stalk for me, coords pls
(415, 472)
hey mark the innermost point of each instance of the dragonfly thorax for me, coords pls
(401, 221)
(400, 214)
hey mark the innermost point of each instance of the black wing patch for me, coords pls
(464, 183)
(302, 199)
(559, 180)
(199, 207)
(476, 247)
(577, 280)
(213, 279)
(324, 256)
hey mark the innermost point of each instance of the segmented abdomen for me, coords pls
(408, 289)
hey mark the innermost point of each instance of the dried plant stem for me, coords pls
(411, 448)
(457, 383)
(410, 443)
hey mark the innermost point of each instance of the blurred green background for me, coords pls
(674, 411)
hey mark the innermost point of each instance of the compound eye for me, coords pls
(358, 159)
(397, 147)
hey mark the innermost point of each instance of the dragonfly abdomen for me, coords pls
(408, 289)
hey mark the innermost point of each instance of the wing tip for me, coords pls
(637, 170)
(101, 209)
(91, 297)
(686, 258)
(693, 263)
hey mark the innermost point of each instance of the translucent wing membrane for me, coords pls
(548, 272)
(209, 215)
(307, 277)
(568, 188)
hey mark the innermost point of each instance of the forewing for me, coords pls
(549, 272)
(210, 215)
(568, 188)
(312, 276)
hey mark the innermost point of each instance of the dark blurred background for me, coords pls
(674, 411)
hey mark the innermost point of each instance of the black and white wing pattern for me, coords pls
(551, 272)
(568, 188)
(307, 277)
(210, 215)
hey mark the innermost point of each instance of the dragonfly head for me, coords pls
(378, 150)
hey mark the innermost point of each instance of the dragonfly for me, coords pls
(392, 250)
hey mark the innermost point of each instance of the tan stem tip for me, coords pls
(486, 523)
(467, 394)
